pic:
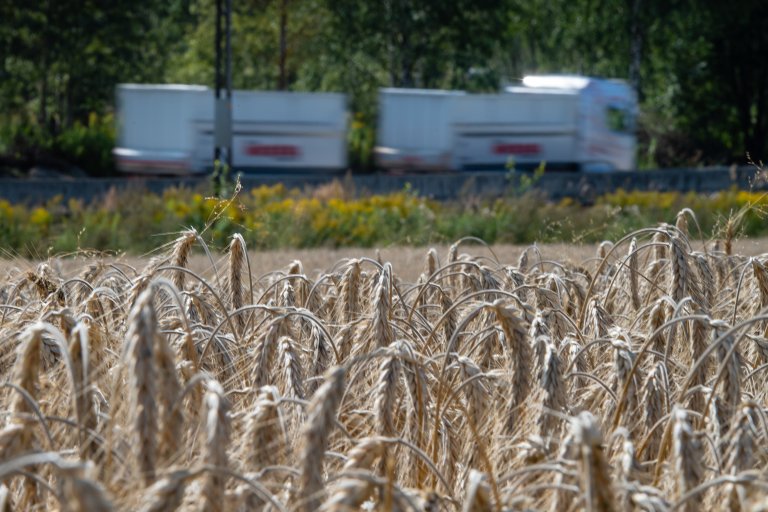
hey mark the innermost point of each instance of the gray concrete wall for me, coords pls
(441, 186)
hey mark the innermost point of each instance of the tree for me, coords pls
(272, 41)
(723, 85)
(65, 56)
(420, 43)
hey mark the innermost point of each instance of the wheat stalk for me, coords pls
(478, 497)
(688, 456)
(141, 341)
(263, 432)
(350, 292)
(79, 350)
(80, 493)
(180, 255)
(237, 256)
(170, 414)
(264, 353)
(680, 271)
(634, 289)
(217, 432)
(654, 405)
(593, 469)
(167, 493)
(381, 330)
(315, 436)
(293, 373)
(522, 363)
(321, 355)
(728, 358)
(385, 393)
(554, 393)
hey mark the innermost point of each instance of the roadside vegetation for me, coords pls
(330, 216)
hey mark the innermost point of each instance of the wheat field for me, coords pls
(631, 379)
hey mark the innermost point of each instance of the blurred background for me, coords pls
(698, 66)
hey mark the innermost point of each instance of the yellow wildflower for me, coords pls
(40, 217)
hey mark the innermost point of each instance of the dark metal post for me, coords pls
(216, 85)
(229, 55)
(222, 125)
(282, 81)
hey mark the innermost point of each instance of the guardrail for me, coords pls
(556, 185)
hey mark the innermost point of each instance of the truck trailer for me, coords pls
(566, 122)
(168, 129)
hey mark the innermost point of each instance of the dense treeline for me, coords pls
(698, 65)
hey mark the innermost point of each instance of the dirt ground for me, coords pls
(407, 262)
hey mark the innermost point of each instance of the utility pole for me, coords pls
(282, 81)
(222, 124)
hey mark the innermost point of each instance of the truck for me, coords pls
(564, 122)
(168, 129)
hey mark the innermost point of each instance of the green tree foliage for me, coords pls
(59, 63)
(590, 37)
(722, 79)
(258, 57)
(420, 43)
(64, 57)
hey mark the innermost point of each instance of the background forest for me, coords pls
(699, 66)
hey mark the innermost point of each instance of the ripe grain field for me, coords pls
(624, 376)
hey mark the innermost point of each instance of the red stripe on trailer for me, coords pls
(517, 149)
(272, 150)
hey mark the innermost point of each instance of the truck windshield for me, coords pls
(619, 119)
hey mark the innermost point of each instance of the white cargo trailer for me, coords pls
(415, 128)
(168, 129)
(568, 122)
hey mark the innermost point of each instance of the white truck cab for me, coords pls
(607, 113)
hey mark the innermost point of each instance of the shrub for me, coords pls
(87, 146)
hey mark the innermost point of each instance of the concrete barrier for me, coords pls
(583, 187)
